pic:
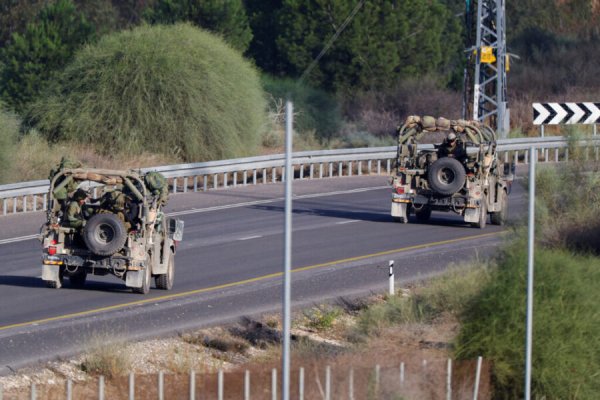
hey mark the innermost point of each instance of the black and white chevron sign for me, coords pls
(566, 113)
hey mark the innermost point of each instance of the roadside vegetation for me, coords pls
(189, 81)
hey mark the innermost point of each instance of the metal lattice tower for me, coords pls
(485, 77)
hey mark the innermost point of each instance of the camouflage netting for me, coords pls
(415, 127)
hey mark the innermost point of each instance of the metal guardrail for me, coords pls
(32, 195)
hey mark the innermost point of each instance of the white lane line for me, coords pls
(257, 202)
(249, 238)
(226, 207)
(347, 222)
(18, 239)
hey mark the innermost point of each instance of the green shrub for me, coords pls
(9, 133)
(314, 109)
(450, 293)
(566, 344)
(175, 90)
(48, 43)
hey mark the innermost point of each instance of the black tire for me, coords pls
(165, 281)
(500, 217)
(56, 284)
(145, 289)
(482, 214)
(78, 280)
(423, 214)
(104, 234)
(446, 176)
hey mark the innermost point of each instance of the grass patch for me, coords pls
(566, 344)
(107, 357)
(450, 293)
(322, 317)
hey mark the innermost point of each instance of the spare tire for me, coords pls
(104, 234)
(446, 176)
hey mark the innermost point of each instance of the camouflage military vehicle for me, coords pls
(466, 178)
(123, 232)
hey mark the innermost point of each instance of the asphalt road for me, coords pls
(229, 264)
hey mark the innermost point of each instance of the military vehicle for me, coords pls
(468, 179)
(123, 232)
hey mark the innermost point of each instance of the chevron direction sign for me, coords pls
(566, 113)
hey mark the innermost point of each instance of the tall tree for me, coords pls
(386, 40)
(225, 17)
(32, 58)
(264, 21)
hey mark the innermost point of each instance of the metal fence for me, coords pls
(32, 196)
(439, 378)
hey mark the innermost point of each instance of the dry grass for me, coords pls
(34, 157)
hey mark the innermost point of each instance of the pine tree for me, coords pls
(227, 18)
(32, 58)
(385, 42)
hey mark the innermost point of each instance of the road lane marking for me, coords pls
(249, 238)
(18, 239)
(229, 206)
(245, 281)
(347, 222)
(274, 200)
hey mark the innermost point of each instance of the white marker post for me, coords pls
(391, 277)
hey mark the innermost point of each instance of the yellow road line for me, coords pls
(243, 282)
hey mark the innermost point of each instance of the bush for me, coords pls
(566, 344)
(380, 112)
(48, 43)
(314, 109)
(9, 132)
(449, 293)
(175, 90)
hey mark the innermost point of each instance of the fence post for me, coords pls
(131, 386)
(274, 384)
(351, 384)
(377, 379)
(301, 384)
(449, 381)
(328, 383)
(101, 387)
(402, 374)
(69, 390)
(247, 385)
(220, 384)
(1, 395)
(477, 377)
(161, 385)
(192, 385)
(33, 393)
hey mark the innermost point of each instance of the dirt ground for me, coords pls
(401, 362)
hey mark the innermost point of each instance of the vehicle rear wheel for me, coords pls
(78, 280)
(145, 289)
(104, 234)
(423, 214)
(500, 217)
(446, 176)
(482, 214)
(56, 284)
(165, 281)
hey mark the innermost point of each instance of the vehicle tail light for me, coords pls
(400, 190)
(52, 250)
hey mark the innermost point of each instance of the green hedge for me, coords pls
(172, 89)
(566, 343)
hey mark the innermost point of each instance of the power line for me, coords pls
(333, 39)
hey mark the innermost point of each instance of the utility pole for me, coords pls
(485, 75)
